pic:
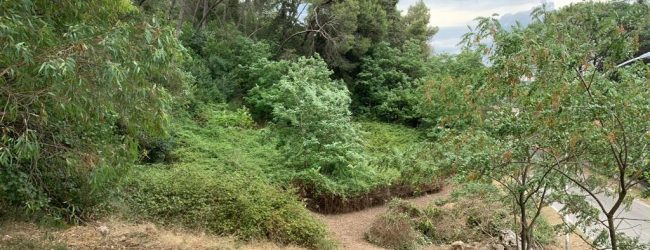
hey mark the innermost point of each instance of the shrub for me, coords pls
(224, 203)
(401, 150)
(81, 82)
(312, 119)
(386, 87)
(393, 231)
(264, 74)
(467, 219)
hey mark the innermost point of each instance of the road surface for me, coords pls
(634, 222)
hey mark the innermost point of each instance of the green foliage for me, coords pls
(345, 32)
(417, 24)
(312, 118)
(224, 203)
(226, 53)
(81, 83)
(450, 93)
(468, 219)
(223, 180)
(556, 103)
(263, 74)
(221, 138)
(388, 85)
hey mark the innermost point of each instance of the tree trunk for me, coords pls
(179, 22)
(171, 10)
(196, 11)
(524, 225)
(612, 231)
(206, 11)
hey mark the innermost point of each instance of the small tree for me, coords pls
(311, 114)
(573, 103)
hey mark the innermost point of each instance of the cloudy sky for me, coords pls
(453, 16)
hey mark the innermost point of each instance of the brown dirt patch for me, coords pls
(121, 235)
(349, 228)
(574, 240)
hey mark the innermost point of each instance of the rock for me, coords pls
(7, 238)
(508, 238)
(457, 245)
(498, 247)
(103, 230)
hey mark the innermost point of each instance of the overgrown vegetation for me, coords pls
(233, 116)
(474, 213)
(80, 90)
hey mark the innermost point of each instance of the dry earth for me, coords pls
(120, 235)
(348, 229)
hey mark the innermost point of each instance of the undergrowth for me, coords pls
(221, 183)
(227, 176)
(395, 155)
(474, 213)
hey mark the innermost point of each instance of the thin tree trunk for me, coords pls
(524, 224)
(171, 10)
(612, 231)
(179, 22)
(206, 11)
(196, 11)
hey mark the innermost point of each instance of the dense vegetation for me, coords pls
(235, 116)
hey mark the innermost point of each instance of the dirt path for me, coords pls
(348, 229)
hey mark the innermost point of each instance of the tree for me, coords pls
(312, 117)
(417, 24)
(81, 83)
(572, 103)
(343, 32)
(388, 85)
(451, 92)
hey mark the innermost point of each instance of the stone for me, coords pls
(457, 245)
(508, 238)
(103, 230)
(498, 247)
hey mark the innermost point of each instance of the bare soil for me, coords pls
(120, 235)
(348, 229)
(575, 242)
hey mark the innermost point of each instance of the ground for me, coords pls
(347, 229)
(120, 235)
(574, 240)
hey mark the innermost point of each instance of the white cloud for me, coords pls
(453, 15)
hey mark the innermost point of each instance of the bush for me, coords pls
(312, 119)
(80, 85)
(401, 150)
(393, 231)
(387, 86)
(264, 74)
(467, 219)
(224, 203)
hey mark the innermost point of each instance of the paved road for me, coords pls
(634, 222)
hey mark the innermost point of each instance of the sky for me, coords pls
(453, 16)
